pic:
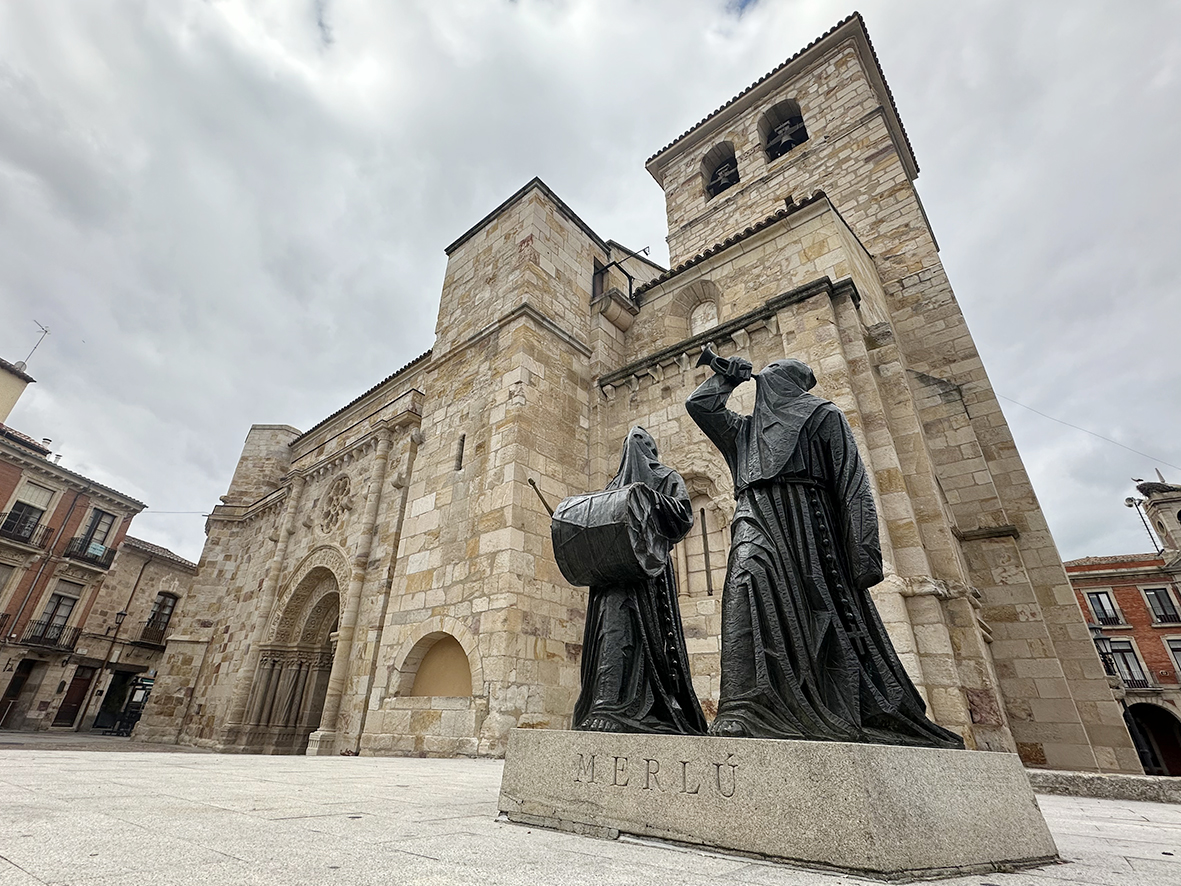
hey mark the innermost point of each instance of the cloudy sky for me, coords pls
(235, 212)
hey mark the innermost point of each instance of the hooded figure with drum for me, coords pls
(635, 669)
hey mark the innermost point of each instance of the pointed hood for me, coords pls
(640, 463)
(782, 407)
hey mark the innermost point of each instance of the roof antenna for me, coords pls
(23, 364)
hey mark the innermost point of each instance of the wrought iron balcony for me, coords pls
(88, 551)
(1137, 683)
(44, 633)
(27, 532)
(152, 633)
(4, 623)
(1109, 619)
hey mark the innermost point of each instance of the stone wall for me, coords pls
(966, 515)
(340, 556)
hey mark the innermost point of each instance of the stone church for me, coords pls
(384, 583)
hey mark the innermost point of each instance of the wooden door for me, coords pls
(75, 695)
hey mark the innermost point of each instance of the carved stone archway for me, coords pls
(290, 683)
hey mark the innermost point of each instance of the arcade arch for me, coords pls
(1156, 732)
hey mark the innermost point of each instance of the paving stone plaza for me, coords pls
(82, 817)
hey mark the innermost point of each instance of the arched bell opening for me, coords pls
(719, 169)
(291, 682)
(782, 128)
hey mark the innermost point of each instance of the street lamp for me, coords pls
(1103, 647)
(119, 616)
(1137, 503)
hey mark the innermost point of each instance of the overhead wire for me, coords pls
(1092, 433)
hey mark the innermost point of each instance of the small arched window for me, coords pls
(782, 128)
(703, 317)
(719, 169)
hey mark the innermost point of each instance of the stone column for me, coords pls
(266, 602)
(323, 740)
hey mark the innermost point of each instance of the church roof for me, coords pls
(1114, 560)
(854, 25)
(536, 184)
(420, 358)
(160, 553)
(816, 197)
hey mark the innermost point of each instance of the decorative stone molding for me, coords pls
(337, 502)
(680, 355)
(328, 558)
(926, 586)
(1006, 531)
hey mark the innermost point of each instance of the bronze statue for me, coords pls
(804, 652)
(635, 670)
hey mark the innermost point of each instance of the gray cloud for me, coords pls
(235, 212)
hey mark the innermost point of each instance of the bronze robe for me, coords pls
(635, 670)
(804, 652)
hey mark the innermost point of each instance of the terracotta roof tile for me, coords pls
(155, 550)
(16, 370)
(855, 17)
(357, 400)
(22, 439)
(730, 241)
(1113, 560)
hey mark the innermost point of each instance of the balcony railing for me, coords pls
(92, 552)
(152, 633)
(51, 636)
(1109, 619)
(25, 531)
(1136, 683)
(4, 623)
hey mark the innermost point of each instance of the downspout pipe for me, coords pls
(111, 645)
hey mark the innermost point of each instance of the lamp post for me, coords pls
(1148, 758)
(1138, 503)
(1103, 647)
(119, 616)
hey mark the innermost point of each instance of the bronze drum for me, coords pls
(606, 538)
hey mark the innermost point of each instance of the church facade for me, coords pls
(384, 582)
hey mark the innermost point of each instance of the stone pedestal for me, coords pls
(897, 813)
(321, 743)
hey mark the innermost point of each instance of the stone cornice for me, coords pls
(748, 238)
(411, 413)
(680, 353)
(524, 309)
(353, 452)
(986, 532)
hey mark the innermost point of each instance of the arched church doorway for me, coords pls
(287, 695)
(1157, 735)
